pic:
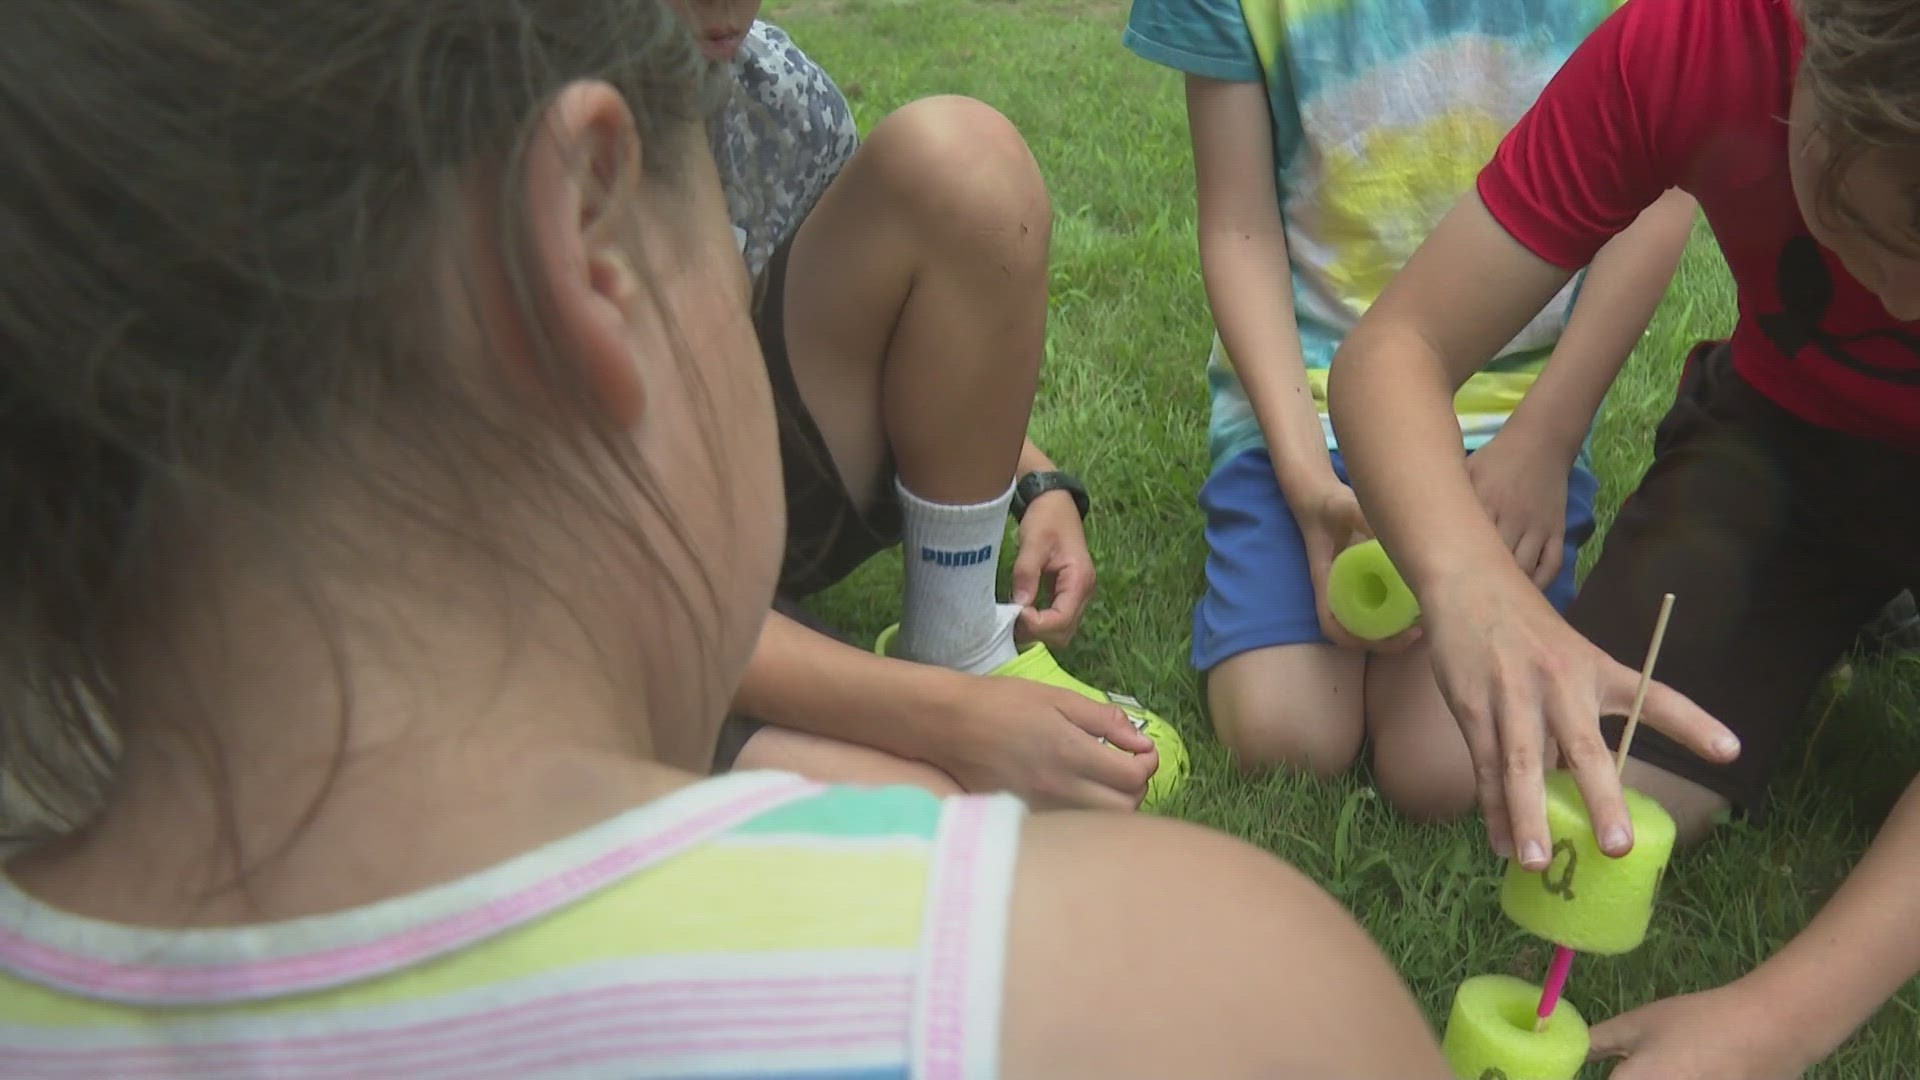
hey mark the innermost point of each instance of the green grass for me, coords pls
(1123, 402)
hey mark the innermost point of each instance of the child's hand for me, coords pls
(1330, 522)
(1042, 743)
(1724, 1034)
(1524, 687)
(1524, 490)
(1053, 554)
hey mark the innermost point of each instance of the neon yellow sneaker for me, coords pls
(1037, 663)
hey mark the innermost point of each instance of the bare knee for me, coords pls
(833, 762)
(1696, 810)
(1420, 775)
(1429, 797)
(1286, 708)
(1420, 759)
(962, 170)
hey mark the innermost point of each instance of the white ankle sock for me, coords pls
(950, 616)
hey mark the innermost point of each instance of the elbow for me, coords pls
(1671, 218)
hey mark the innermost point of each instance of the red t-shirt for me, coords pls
(1694, 94)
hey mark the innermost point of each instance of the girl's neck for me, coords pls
(329, 763)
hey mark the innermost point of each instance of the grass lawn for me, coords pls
(1123, 402)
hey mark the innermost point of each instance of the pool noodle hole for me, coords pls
(1372, 591)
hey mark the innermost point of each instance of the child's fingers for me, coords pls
(1674, 715)
(1049, 626)
(1338, 634)
(1574, 719)
(1489, 779)
(1027, 568)
(1527, 550)
(1398, 643)
(1553, 556)
(1105, 721)
(1614, 1038)
(1523, 772)
(1073, 585)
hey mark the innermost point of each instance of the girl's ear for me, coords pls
(582, 162)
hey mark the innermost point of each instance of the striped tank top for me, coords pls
(754, 924)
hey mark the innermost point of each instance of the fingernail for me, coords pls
(1617, 839)
(1535, 855)
(1726, 746)
(1503, 848)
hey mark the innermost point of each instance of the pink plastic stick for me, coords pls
(1556, 982)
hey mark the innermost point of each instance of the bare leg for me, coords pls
(1420, 759)
(1290, 705)
(1693, 807)
(915, 323)
(833, 762)
(917, 303)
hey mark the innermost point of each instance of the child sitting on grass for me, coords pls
(1778, 508)
(1328, 139)
(385, 450)
(900, 300)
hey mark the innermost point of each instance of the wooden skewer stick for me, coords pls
(1646, 678)
(1563, 956)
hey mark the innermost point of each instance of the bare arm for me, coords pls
(1511, 670)
(1033, 459)
(805, 680)
(1039, 741)
(1860, 949)
(1391, 389)
(1269, 976)
(1624, 287)
(1243, 259)
(1801, 1005)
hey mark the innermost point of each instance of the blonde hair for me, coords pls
(1861, 72)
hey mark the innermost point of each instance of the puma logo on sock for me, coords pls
(956, 558)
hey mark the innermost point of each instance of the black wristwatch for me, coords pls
(1035, 484)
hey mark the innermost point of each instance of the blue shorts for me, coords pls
(1259, 591)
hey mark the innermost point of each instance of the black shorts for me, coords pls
(1779, 541)
(829, 534)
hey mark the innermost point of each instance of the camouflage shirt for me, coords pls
(780, 141)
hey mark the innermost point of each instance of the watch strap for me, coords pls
(1035, 484)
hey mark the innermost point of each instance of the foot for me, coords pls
(1037, 662)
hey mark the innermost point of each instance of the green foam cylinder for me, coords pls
(1585, 899)
(1490, 1033)
(1368, 595)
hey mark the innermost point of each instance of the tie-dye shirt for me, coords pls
(1384, 112)
(754, 924)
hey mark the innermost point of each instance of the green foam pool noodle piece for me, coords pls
(1368, 595)
(1585, 899)
(1490, 1033)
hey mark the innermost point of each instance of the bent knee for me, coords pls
(1694, 822)
(1431, 796)
(1696, 809)
(963, 165)
(1296, 706)
(1323, 742)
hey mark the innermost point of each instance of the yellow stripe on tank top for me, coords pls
(1484, 392)
(732, 897)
